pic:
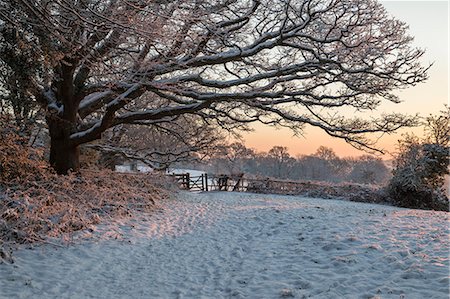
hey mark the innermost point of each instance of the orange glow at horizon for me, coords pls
(264, 138)
(428, 22)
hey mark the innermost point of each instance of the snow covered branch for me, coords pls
(278, 62)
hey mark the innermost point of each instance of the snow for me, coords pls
(192, 172)
(93, 98)
(84, 133)
(240, 245)
(144, 168)
(122, 168)
(165, 112)
(128, 168)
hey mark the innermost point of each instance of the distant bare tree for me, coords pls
(232, 158)
(437, 128)
(368, 170)
(326, 153)
(328, 164)
(280, 161)
(286, 63)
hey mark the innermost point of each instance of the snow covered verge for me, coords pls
(349, 191)
(53, 207)
(241, 245)
(345, 191)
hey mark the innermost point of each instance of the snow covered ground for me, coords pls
(236, 245)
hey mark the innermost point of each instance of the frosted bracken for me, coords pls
(236, 245)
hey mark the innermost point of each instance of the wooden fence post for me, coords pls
(206, 182)
(188, 180)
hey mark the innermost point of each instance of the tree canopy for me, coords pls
(99, 64)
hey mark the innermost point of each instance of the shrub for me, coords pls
(18, 162)
(418, 176)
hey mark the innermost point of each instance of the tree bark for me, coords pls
(64, 156)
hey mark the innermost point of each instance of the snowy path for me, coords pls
(234, 245)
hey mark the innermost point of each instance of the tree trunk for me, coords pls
(63, 157)
(64, 154)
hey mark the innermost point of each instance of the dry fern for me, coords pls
(36, 204)
(57, 205)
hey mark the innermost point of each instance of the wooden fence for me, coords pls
(204, 182)
(351, 191)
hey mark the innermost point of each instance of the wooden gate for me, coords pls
(214, 183)
(193, 183)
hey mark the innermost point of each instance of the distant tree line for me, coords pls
(323, 165)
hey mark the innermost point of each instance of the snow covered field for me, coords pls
(236, 245)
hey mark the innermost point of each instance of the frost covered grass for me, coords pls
(56, 206)
(36, 205)
(240, 245)
(317, 189)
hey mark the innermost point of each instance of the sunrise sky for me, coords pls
(428, 21)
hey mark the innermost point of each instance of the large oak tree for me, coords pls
(280, 62)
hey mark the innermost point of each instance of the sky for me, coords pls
(428, 24)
